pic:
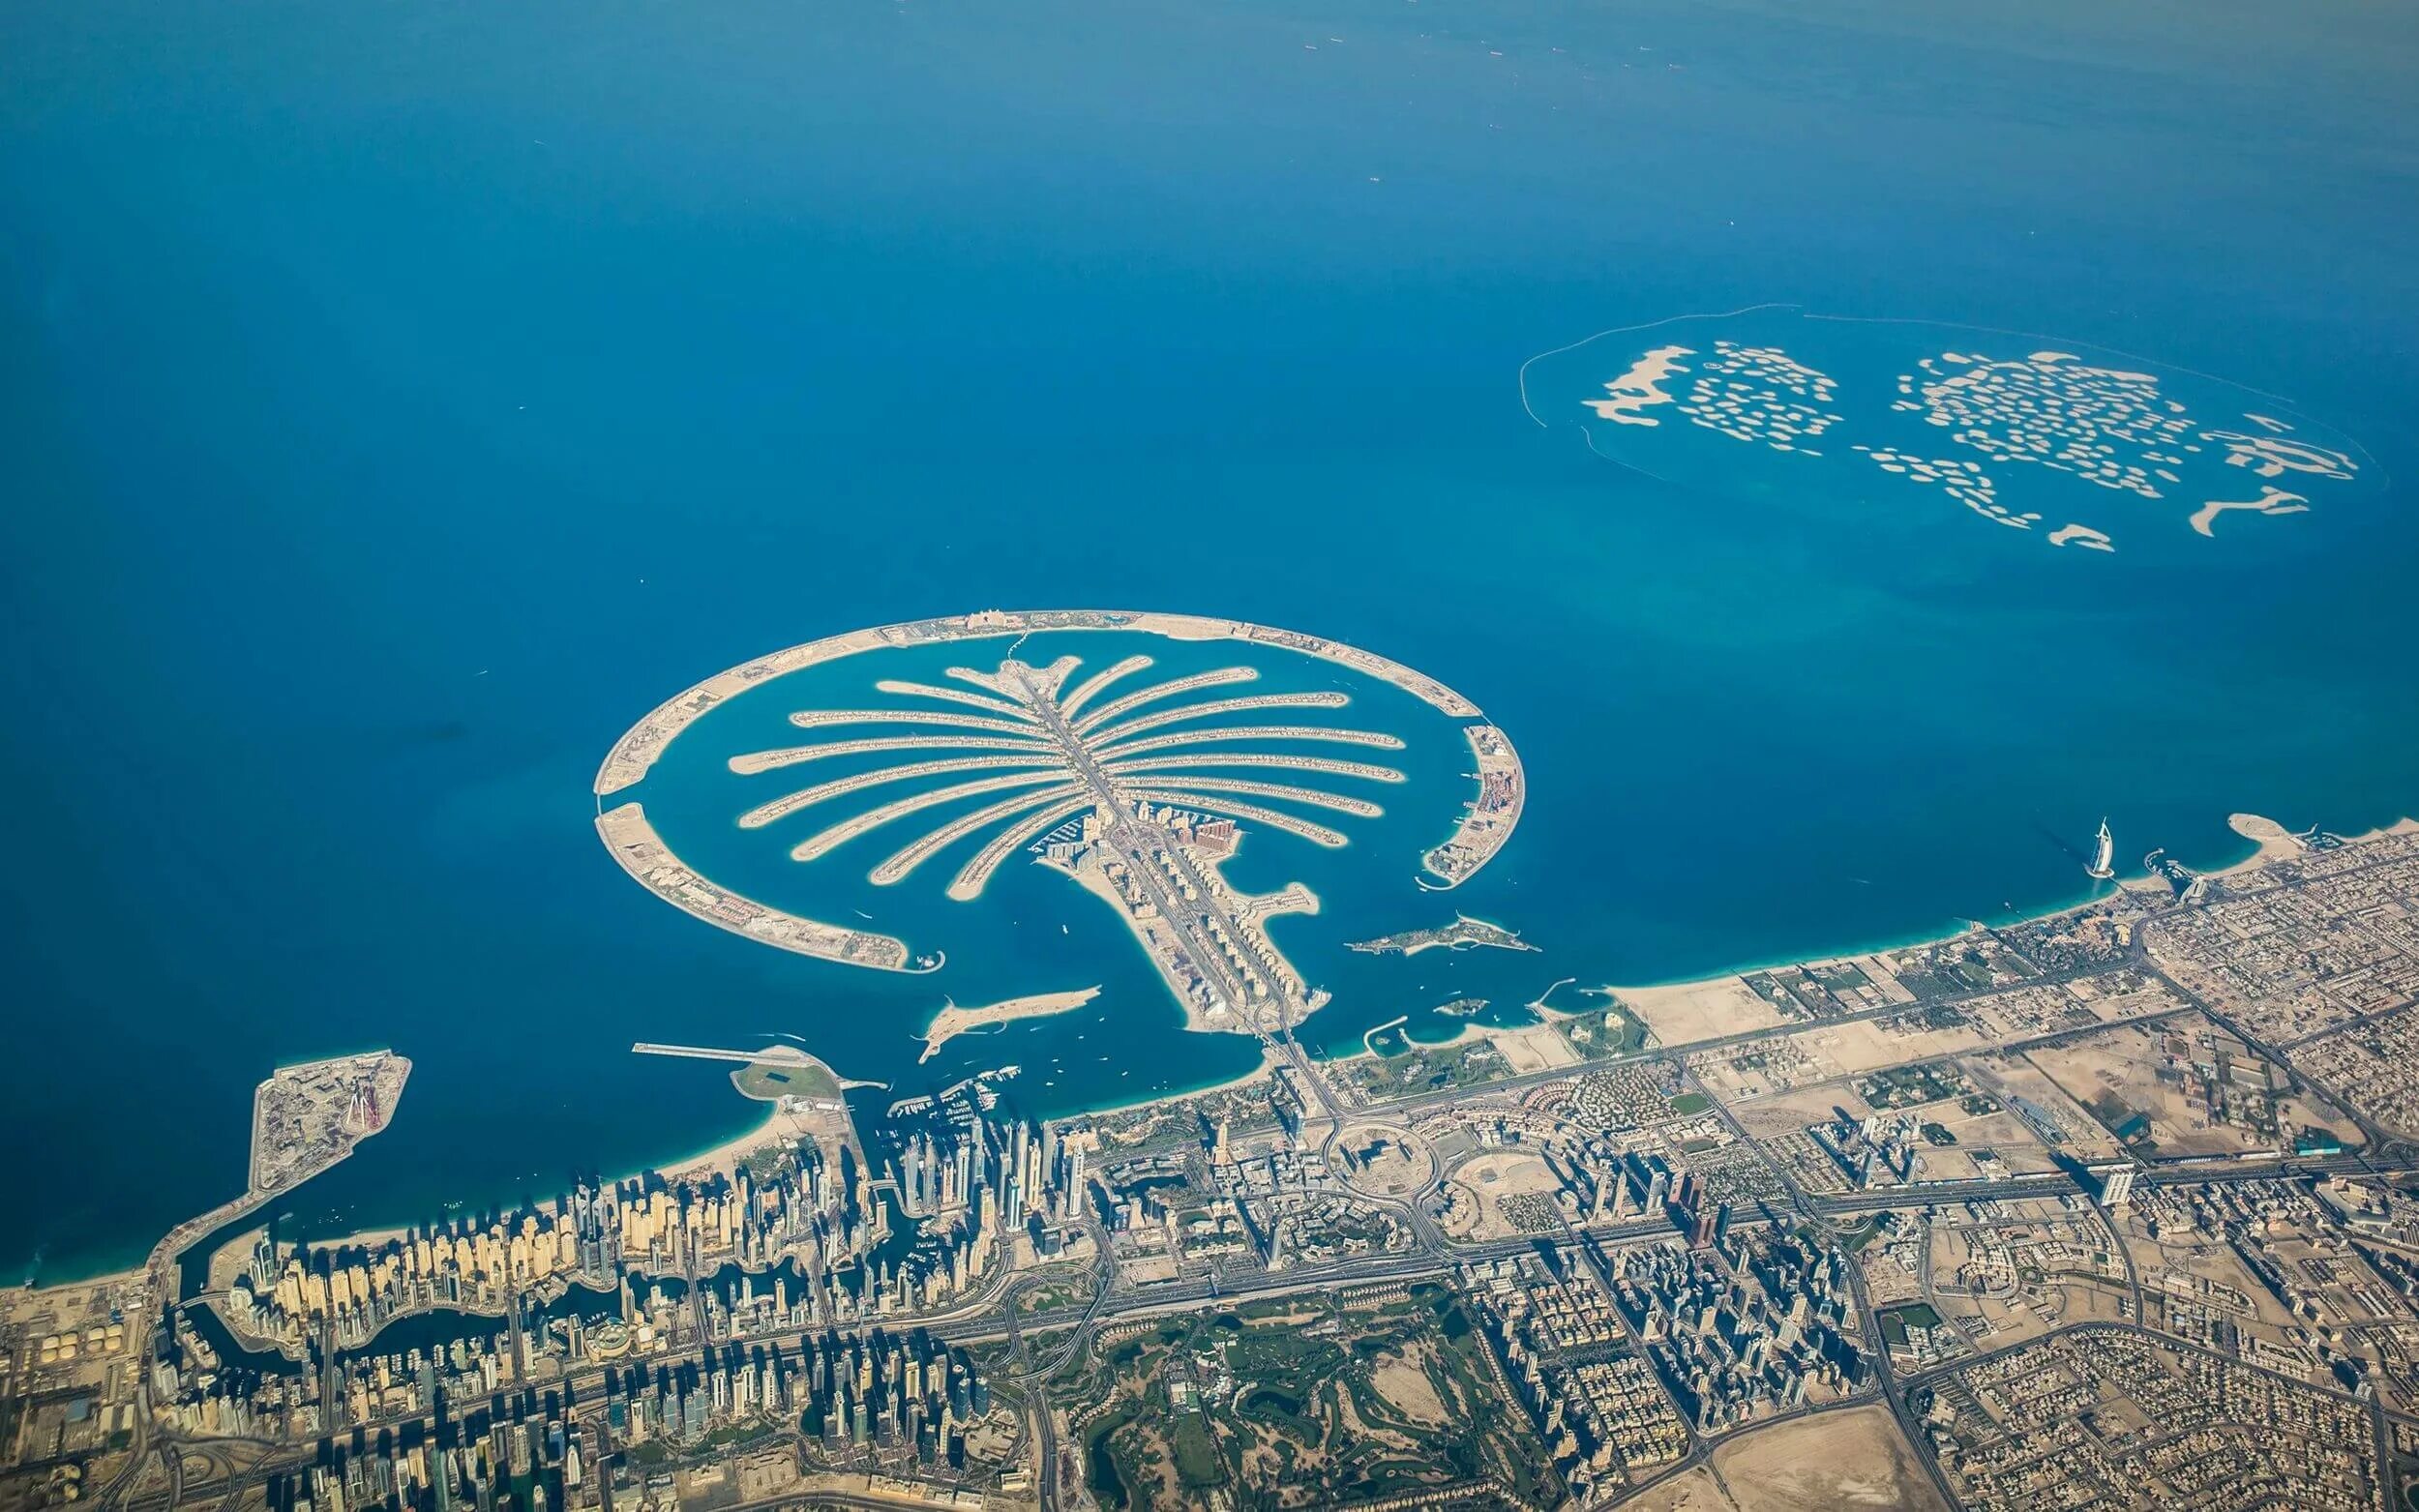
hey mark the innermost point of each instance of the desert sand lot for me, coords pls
(1824, 1053)
(1693, 1491)
(1868, 1045)
(1789, 1113)
(1831, 1462)
(1536, 1046)
(1853, 1461)
(2138, 1066)
(1484, 1180)
(2011, 1076)
(1686, 1012)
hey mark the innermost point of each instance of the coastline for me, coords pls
(725, 1157)
(2273, 841)
(2262, 853)
(1270, 1060)
(723, 1154)
(2266, 849)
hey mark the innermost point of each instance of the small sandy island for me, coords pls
(953, 1021)
(1640, 388)
(2271, 501)
(1463, 933)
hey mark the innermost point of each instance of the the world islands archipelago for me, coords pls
(2083, 447)
(2116, 1208)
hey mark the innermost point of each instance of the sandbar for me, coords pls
(2271, 501)
(953, 1021)
(1463, 933)
(1640, 388)
(2085, 536)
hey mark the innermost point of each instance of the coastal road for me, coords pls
(1037, 1403)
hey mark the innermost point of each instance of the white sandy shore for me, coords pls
(726, 1157)
(2277, 843)
(2274, 841)
(1270, 1060)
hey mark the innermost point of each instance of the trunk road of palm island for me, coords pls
(1182, 889)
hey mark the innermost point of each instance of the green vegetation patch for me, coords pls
(1912, 1086)
(1896, 1320)
(1603, 1031)
(769, 1080)
(1426, 1068)
(1197, 1462)
(1332, 1404)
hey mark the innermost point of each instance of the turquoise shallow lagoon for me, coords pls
(401, 399)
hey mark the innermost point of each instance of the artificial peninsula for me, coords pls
(1137, 789)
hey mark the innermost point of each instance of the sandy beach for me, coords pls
(726, 1157)
(2275, 843)
(1270, 1060)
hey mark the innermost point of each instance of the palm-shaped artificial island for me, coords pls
(1136, 786)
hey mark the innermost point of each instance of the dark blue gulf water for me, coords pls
(399, 400)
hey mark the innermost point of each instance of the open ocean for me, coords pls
(401, 399)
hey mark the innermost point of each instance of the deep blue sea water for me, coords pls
(400, 398)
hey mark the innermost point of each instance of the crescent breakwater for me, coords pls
(637, 751)
(1491, 817)
(1486, 824)
(643, 854)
